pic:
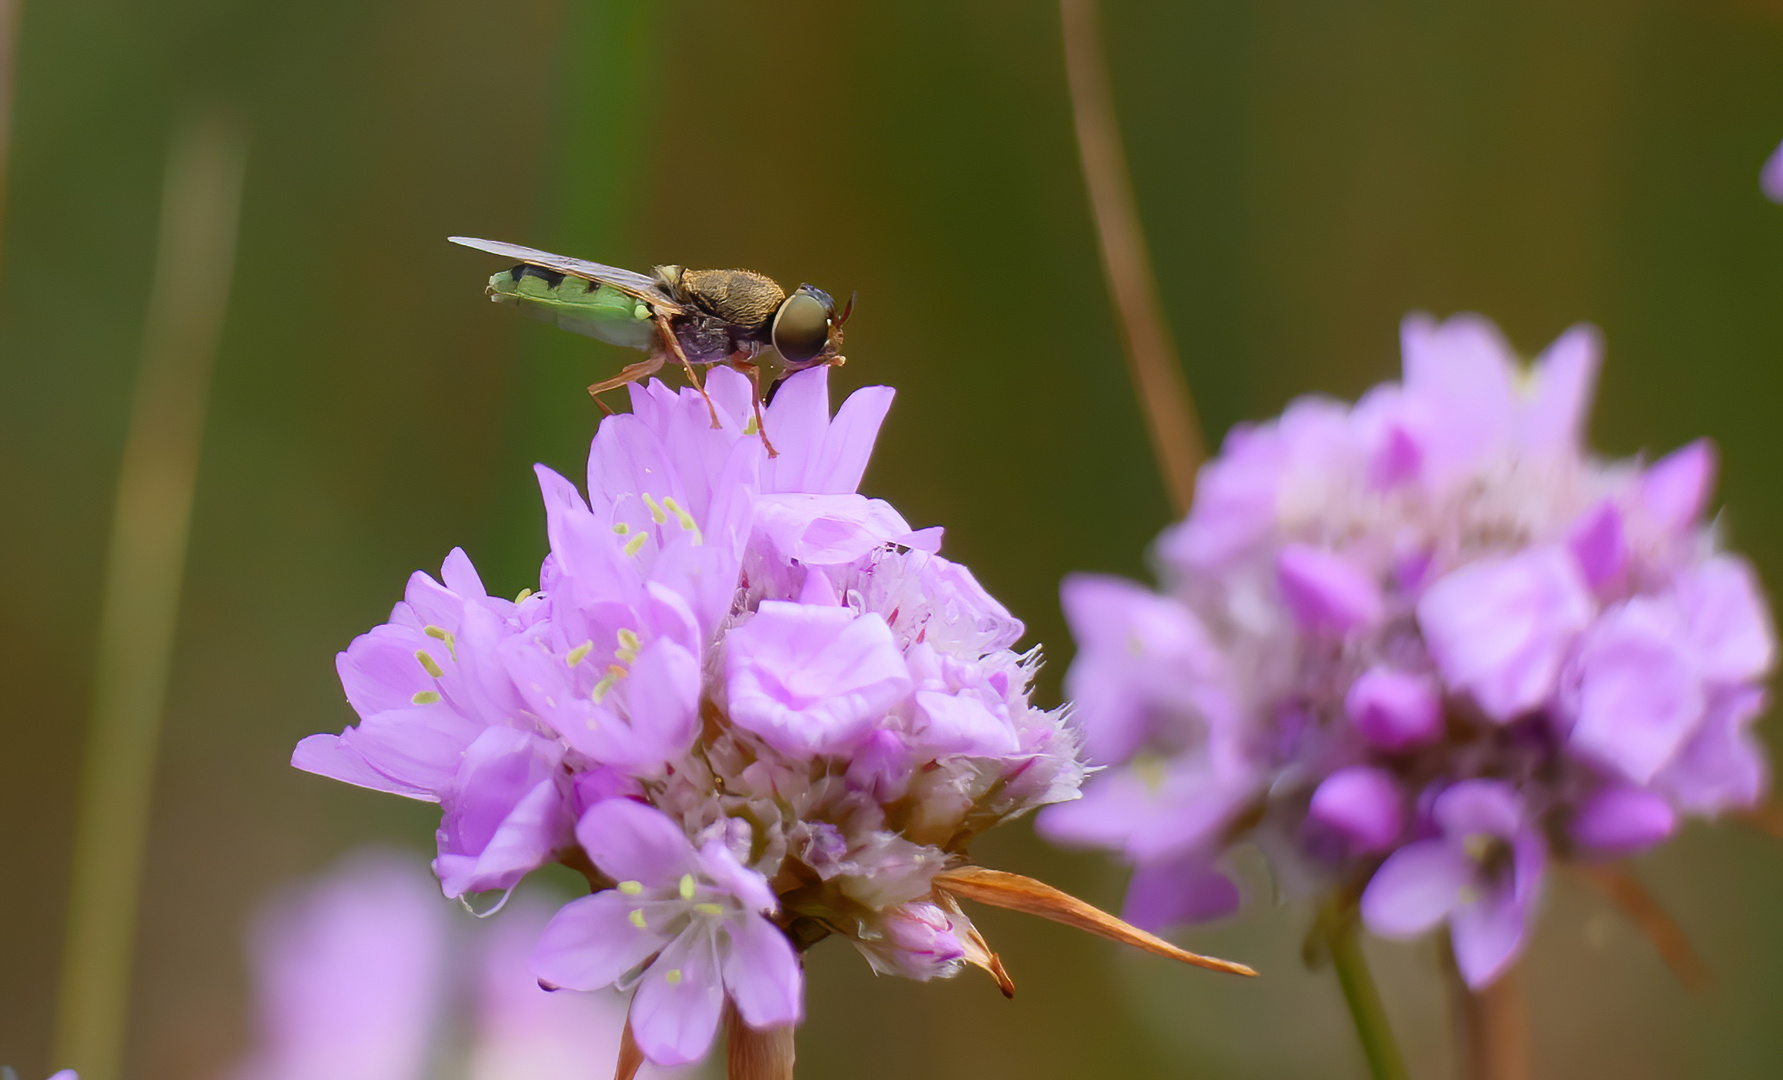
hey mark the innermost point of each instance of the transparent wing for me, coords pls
(628, 281)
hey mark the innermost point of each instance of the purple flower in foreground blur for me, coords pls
(1770, 178)
(1412, 647)
(349, 977)
(363, 974)
(752, 706)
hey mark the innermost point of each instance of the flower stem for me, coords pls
(1364, 1000)
(756, 1055)
(143, 575)
(1151, 356)
(1495, 1030)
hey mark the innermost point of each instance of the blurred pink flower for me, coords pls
(1400, 642)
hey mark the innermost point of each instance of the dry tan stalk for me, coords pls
(1644, 912)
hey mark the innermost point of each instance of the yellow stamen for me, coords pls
(687, 886)
(637, 918)
(672, 976)
(750, 428)
(656, 513)
(428, 662)
(631, 888)
(425, 697)
(524, 593)
(709, 909)
(440, 633)
(577, 654)
(685, 518)
(621, 528)
(628, 646)
(636, 544)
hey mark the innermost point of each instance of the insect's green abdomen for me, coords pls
(599, 311)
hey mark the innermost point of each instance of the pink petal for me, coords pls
(1623, 820)
(591, 942)
(328, 755)
(1487, 935)
(1566, 378)
(1639, 694)
(1601, 546)
(1676, 488)
(1325, 591)
(1395, 710)
(1729, 621)
(797, 422)
(633, 842)
(1362, 803)
(674, 1014)
(762, 973)
(1162, 895)
(849, 442)
(1416, 888)
(1501, 629)
(812, 679)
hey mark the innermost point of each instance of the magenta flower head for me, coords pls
(754, 707)
(1416, 650)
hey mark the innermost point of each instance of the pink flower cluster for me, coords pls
(753, 706)
(1417, 647)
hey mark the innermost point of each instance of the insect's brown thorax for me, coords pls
(742, 298)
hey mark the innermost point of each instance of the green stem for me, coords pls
(1364, 1000)
(140, 604)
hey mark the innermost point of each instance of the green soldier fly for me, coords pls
(735, 317)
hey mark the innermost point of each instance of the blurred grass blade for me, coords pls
(143, 574)
(1017, 893)
(1151, 356)
(605, 101)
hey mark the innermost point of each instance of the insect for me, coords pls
(735, 317)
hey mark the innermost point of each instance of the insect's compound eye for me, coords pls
(801, 328)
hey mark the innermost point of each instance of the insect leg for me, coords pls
(667, 333)
(761, 426)
(629, 374)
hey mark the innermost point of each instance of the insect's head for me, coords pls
(806, 328)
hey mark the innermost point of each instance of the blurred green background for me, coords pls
(1308, 172)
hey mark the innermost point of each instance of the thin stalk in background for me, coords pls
(143, 574)
(1343, 938)
(1151, 356)
(11, 12)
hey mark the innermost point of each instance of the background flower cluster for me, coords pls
(1416, 649)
